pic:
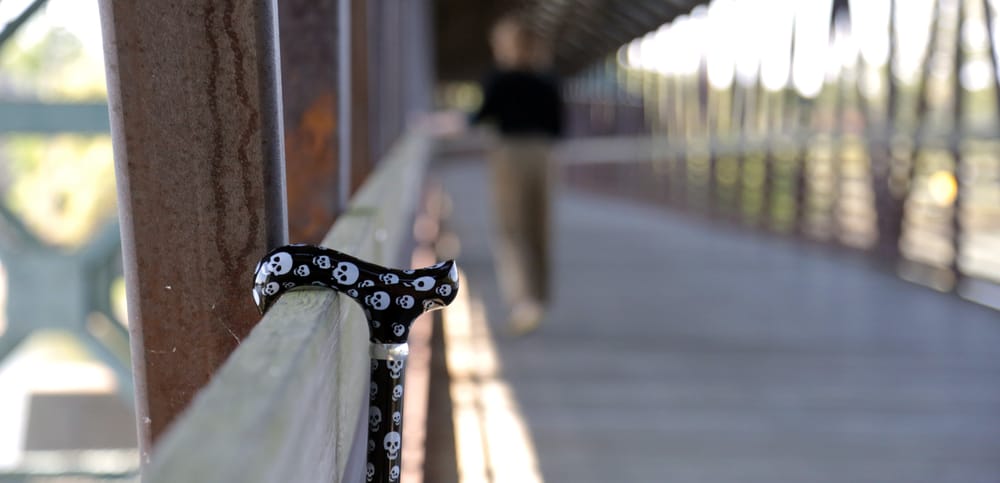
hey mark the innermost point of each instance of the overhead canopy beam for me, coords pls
(583, 31)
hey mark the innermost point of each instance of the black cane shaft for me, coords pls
(385, 422)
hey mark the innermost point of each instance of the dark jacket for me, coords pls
(522, 103)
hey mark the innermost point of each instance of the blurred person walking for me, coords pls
(521, 101)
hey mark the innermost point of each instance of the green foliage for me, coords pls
(54, 68)
(62, 186)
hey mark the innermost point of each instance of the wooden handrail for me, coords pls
(288, 404)
(643, 148)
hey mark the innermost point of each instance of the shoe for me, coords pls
(525, 318)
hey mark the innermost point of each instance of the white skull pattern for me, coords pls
(374, 418)
(378, 300)
(366, 283)
(406, 301)
(371, 445)
(394, 473)
(374, 390)
(398, 330)
(346, 273)
(389, 278)
(271, 288)
(302, 270)
(352, 292)
(322, 261)
(370, 472)
(394, 368)
(280, 263)
(397, 418)
(444, 290)
(397, 392)
(423, 284)
(391, 444)
(262, 271)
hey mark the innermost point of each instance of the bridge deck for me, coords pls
(682, 352)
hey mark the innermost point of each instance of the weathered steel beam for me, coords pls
(357, 90)
(195, 120)
(386, 75)
(309, 79)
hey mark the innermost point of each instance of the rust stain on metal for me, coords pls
(362, 53)
(311, 148)
(218, 195)
(309, 82)
(318, 123)
(251, 126)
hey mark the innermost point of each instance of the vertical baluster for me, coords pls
(310, 75)
(991, 35)
(955, 142)
(888, 203)
(195, 115)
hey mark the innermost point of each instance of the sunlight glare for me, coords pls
(942, 187)
(811, 46)
(747, 48)
(976, 75)
(870, 25)
(719, 58)
(777, 44)
(913, 31)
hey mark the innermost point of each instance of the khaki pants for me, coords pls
(521, 177)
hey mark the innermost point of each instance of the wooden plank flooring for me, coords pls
(682, 352)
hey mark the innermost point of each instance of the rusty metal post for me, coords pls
(417, 57)
(383, 73)
(195, 119)
(309, 54)
(355, 90)
(390, 74)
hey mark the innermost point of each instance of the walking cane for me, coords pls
(391, 300)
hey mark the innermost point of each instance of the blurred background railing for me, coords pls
(870, 125)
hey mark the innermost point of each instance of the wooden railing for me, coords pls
(289, 404)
